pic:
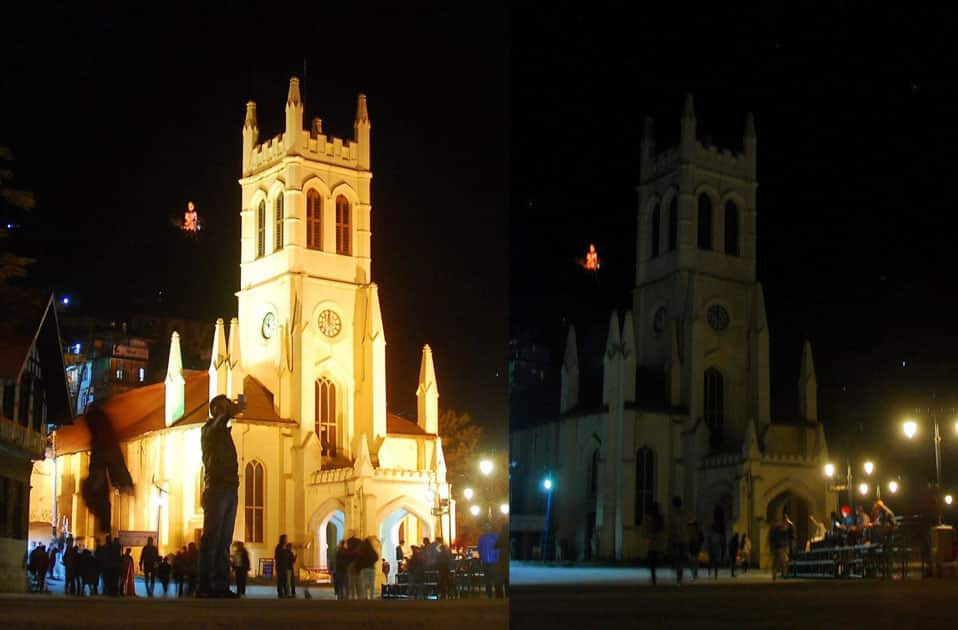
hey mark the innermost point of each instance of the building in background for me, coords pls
(33, 396)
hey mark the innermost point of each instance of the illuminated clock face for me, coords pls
(269, 325)
(329, 323)
(658, 321)
(717, 317)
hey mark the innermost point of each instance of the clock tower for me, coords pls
(700, 312)
(309, 316)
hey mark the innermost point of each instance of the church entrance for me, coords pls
(402, 525)
(332, 529)
(795, 508)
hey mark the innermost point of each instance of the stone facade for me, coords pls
(685, 406)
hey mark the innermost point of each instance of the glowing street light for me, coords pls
(910, 427)
(948, 499)
(863, 489)
(829, 470)
(474, 510)
(893, 486)
(485, 467)
(869, 468)
(547, 484)
(504, 508)
(468, 493)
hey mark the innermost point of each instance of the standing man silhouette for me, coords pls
(220, 496)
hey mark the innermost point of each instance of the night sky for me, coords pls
(855, 110)
(118, 117)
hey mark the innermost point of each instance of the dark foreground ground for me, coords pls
(806, 605)
(51, 611)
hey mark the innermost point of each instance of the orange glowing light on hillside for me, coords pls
(191, 221)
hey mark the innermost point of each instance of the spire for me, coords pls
(750, 125)
(250, 136)
(613, 354)
(374, 315)
(427, 394)
(808, 386)
(294, 116)
(629, 356)
(362, 114)
(687, 136)
(293, 97)
(218, 361)
(613, 344)
(363, 467)
(361, 129)
(569, 391)
(175, 384)
(234, 366)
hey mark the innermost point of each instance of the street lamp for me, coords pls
(474, 510)
(485, 467)
(504, 508)
(869, 468)
(829, 470)
(948, 499)
(863, 489)
(910, 427)
(547, 486)
(893, 486)
(468, 494)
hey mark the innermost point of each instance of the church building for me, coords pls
(319, 453)
(684, 407)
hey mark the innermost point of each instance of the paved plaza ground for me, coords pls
(619, 597)
(260, 609)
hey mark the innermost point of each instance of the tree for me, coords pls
(13, 202)
(460, 437)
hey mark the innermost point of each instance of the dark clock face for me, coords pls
(717, 317)
(658, 320)
(269, 325)
(329, 323)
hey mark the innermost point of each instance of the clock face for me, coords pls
(329, 323)
(269, 325)
(658, 321)
(717, 317)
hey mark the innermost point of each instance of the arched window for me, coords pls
(656, 225)
(255, 502)
(278, 224)
(343, 244)
(594, 473)
(673, 223)
(314, 220)
(261, 230)
(644, 482)
(731, 228)
(326, 416)
(714, 404)
(705, 222)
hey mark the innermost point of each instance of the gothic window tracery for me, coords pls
(255, 503)
(714, 410)
(656, 225)
(314, 220)
(705, 222)
(261, 230)
(343, 237)
(278, 224)
(326, 421)
(731, 228)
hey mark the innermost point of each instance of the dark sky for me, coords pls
(118, 117)
(855, 110)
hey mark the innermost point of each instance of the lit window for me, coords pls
(314, 220)
(278, 224)
(261, 230)
(343, 239)
(142, 374)
(255, 502)
(119, 375)
(326, 416)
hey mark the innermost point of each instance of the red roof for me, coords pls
(142, 410)
(400, 425)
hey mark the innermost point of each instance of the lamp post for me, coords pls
(547, 486)
(910, 429)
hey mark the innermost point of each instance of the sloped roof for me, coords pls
(28, 316)
(142, 410)
(402, 426)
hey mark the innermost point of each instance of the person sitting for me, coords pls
(883, 520)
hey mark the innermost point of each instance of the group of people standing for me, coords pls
(682, 538)
(353, 562)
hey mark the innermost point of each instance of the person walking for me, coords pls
(366, 568)
(778, 542)
(281, 563)
(341, 570)
(489, 557)
(732, 553)
(716, 543)
(240, 562)
(70, 569)
(127, 583)
(163, 571)
(745, 551)
(653, 531)
(291, 572)
(679, 537)
(149, 558)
